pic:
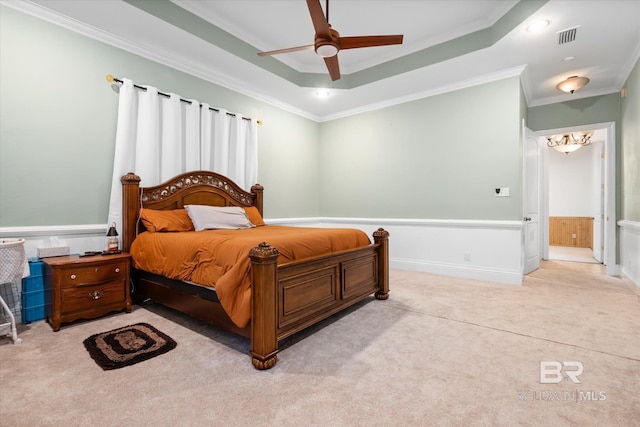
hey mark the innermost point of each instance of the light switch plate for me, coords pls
(502, 192)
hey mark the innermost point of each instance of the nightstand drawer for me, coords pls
(99, 273)
(86, 287)
(85, 297)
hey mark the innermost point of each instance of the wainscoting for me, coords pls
(476, 249)
(484, 250)
(630, 250)
(576, 231)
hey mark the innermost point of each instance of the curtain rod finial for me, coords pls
(110, 78)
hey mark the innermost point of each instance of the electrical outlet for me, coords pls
(467, 256)
(573, 236)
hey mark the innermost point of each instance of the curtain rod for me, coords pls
(112, 79)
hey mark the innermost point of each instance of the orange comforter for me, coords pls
(219, 258)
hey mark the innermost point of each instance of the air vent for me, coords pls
(567, 36)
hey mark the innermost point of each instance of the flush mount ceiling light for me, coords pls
(538, 26)
(322, 93)
(572, 84)
(569, 142)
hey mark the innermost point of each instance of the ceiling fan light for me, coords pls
(327, 50)
(572, 84)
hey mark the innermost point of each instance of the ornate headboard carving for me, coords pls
(197, 188)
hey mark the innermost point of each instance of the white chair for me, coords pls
(13, 266)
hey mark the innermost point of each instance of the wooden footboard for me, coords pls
(291, 297)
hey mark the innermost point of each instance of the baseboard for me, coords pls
(455, 270)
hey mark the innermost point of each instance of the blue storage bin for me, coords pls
(33, 305)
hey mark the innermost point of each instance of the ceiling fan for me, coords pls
(328, 41)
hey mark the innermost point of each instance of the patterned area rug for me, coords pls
(128, 345)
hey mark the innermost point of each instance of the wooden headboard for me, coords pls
(190, 188)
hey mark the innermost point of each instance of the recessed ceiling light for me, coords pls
(322, 93)
(538, 26)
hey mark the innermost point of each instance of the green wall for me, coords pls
(585, 111)
(631, 147)
(57, 127)
(439, 157)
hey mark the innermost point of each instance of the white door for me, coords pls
(598, 201)
(531, 200)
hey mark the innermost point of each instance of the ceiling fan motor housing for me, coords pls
(327, 48)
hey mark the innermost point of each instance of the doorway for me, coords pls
(575, 202)
(600, 205)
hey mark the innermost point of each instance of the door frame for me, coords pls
(609, 224)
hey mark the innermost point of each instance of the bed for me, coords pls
(285, 297)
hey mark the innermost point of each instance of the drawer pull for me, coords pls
(96, 294)
(73, 277)
(117, 270)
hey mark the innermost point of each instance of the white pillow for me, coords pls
(217, 217)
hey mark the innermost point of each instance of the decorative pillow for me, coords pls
(217, 217)
(254, 216)
(173, 220)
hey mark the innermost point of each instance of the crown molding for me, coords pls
(463, 84)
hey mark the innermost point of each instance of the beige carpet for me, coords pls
(440, 351)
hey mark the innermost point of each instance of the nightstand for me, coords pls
(86, 287)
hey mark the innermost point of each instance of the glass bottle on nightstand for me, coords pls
(113, 243)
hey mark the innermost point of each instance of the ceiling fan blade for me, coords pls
(368, 41)
(333, 67)
(320, 23)
(287, 50)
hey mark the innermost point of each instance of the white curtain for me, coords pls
(159, 137)
(229, 145)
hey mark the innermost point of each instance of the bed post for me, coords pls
(130, 208)
(264, 315)
(381, 237)
(257, 190)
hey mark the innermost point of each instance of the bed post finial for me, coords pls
(381, 237)
(130, 208)
(264, 302)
